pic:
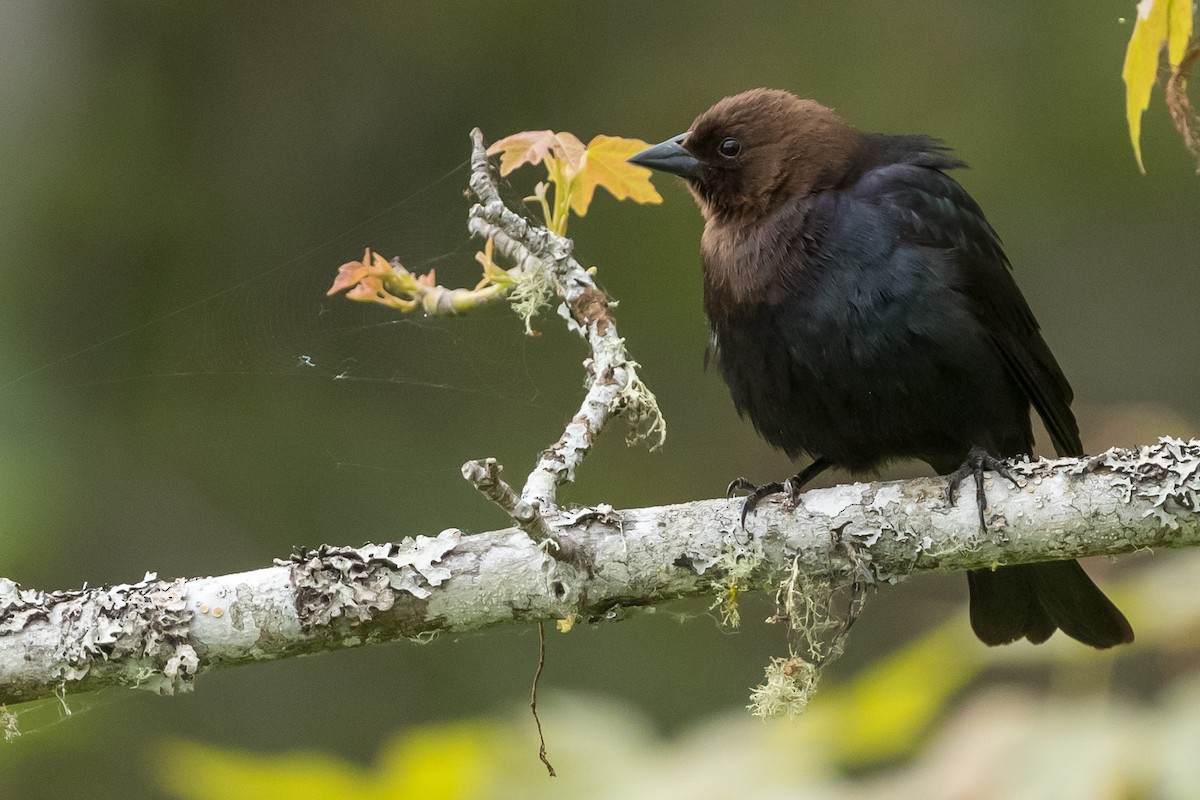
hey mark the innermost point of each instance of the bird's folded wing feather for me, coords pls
(933, 210)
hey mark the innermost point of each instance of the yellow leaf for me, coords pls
(1180, 21)
(1141, 66)
(607, 165)
(1158, 22)
(526, 147)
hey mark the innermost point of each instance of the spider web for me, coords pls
(39, 716)
(279, 326)
(282, 323)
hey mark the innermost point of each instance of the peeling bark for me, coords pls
(160, 635)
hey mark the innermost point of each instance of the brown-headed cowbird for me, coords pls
(863, 311)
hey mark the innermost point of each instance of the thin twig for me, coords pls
(533, 699)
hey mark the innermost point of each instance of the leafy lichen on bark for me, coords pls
(161, 634)
(355, 582)
(142, 625)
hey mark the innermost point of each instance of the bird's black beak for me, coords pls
(669, 156)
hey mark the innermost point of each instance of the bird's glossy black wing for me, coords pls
(934, 210)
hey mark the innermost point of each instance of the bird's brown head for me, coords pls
(749, 153)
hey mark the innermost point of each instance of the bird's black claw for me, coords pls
(978, 462)
(756, 496)
(739, 485)
(792, 486)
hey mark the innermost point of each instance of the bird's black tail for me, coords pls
(1034, 600)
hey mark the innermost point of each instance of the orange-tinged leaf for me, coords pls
(526, 147)
(607, 165)
(350, 273)
(570, 151)
(581, 199)
(369, 289)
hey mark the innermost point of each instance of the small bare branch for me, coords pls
(485, 476)
(613, 386)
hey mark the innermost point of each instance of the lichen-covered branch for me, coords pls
(160, 635)
(612, 383)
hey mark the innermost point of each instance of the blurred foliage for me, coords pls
(1000, 745)
(449, 762)
(179, 394)
(902, 728)
(1160, 24)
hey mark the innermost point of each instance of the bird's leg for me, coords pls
(978, 462)
(791, 486)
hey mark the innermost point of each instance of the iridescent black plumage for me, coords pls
(863, 311)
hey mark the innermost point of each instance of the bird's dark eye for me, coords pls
(729, 148)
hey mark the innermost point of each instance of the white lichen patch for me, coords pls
(1166, 473)
(565, 312)
(176, 674)
(602, 513)
(576, 439)
(886, 495)
(833, 501)
(143, 624)
(19, 607)
(355, 582)
(635, 400)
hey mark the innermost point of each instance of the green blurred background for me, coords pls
(181, 181)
